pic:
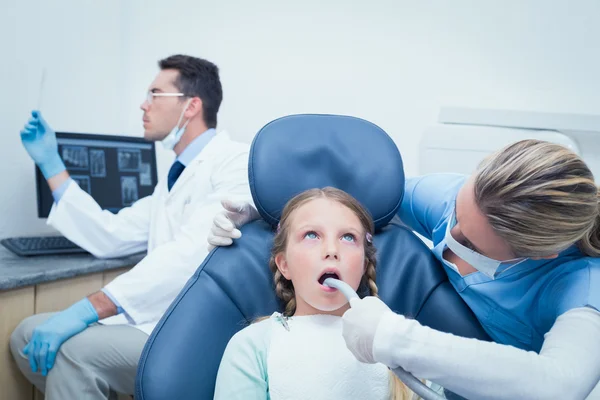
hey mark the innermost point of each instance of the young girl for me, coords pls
(301, 354)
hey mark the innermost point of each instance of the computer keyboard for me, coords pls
(41, 245)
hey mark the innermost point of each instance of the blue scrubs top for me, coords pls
(521, 304)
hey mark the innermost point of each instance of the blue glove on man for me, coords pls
(49, 336)
(40, 142)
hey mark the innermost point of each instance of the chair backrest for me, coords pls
(234, 285)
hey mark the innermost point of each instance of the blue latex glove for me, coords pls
(49, 336)
(40, 142)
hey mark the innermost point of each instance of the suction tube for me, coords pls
(413, 383)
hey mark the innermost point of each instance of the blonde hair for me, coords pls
(540, 198)
(285, 289)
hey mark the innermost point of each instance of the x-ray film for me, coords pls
(97, 163)
(75, 157)
(129, 160)
(84, 182)
(129, 190)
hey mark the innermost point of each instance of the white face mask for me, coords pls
(171, 140)
(483, 264)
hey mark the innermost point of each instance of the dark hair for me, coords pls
(197, 78)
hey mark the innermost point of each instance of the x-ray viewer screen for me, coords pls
(115, 170)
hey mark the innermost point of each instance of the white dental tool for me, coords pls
(413, 383)
(41, 92)
(342, 286)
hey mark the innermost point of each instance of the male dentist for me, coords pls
(81, 353)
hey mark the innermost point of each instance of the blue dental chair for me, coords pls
(233, 286)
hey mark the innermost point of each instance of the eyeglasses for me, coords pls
(151, 95)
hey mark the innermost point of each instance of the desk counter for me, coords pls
(17, 272)
(33, 285)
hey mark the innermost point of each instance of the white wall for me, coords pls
(393, 62)
(79, 43)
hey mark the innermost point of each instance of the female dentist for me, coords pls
(520, 241)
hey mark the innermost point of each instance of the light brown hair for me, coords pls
(285, 289)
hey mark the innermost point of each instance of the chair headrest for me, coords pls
(348, 153)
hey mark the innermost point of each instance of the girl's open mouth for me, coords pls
(325, 276)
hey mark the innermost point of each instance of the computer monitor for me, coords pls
(115, 170)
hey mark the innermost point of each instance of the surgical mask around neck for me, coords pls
(481, 263)
(171, 140)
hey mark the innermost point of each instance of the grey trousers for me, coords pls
(93, 364)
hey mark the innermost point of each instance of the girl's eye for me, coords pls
(349, 237)
(310, 235)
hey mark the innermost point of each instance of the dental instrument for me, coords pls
(413, 383)
(41, 90)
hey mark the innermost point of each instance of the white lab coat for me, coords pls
(173, 226)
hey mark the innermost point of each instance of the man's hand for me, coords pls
(39, 139)
(49, 336)
(226, 223)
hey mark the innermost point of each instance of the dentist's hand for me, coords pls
(49, 336)
(360, 325)
(39, 140)
(225, 223)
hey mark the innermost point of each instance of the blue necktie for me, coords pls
(176, 170)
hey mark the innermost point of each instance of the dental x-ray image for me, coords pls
(129, 190)
(75, 157)
(129, 160)
(84, 182)
(145, 175)
(98, 164)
